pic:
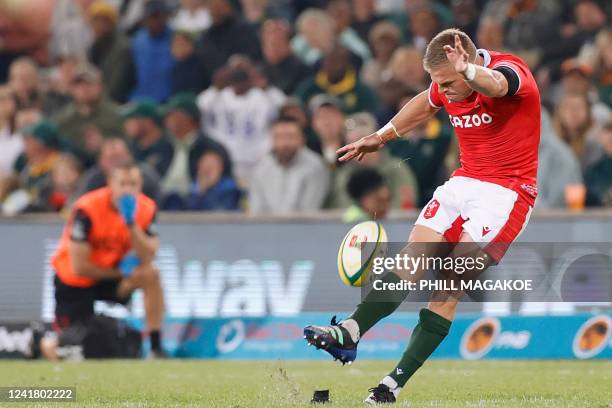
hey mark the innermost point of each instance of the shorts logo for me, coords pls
(485, 231)
(530, 189)
(432, 209)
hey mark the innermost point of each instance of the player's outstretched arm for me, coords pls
(481, 79)
(409, 117)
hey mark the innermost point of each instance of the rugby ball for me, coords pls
(354, 265)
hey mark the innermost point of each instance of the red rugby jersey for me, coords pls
(498, 137)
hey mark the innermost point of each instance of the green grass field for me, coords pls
(279, 384)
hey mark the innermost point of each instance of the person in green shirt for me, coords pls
(339, 77)
(371, 197)
(397, 174)
(91, 116)
(147, 137)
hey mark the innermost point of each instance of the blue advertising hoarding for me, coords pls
(580, 336)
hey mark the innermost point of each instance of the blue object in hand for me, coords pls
(128, 263)
(127, 208)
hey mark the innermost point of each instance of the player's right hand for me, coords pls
(128, 263)
(360, 148)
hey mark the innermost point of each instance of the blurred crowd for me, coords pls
(240, 105)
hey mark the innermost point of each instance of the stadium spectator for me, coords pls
(371, 196)
(283, 69)
(402, 17)
(398, 177)
(189, 72)
(293, 108)
(364, 18)
(182, 119)
(147, 138)
(27, 116)
(25, 83)
(589, 19)
(328, 124)
(69, 32)
(406, 66)
(32, 170)
(557, 167)
(577, 77)
(254, 11)
(192, 17)
(151, 52)
(530, 25)
(56, 193)
(490, 34)
(465, 16)
(291, 178)
(424, 24)
(113, 152)
(384, 39)
(214, 189)
(341, 12)
(603, 67)
(111, 51)
(598, 177)
(318, 34)
(90, 117)
(574, 124)
(11, 142)
(239, 115)
(339, 77)
(58, 83)
(228, 35)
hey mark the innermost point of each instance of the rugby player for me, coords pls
(493, 104)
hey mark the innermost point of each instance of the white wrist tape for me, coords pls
(389, 126)
(470, 72)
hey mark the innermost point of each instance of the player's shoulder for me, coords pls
(498, 59)
(147, 203)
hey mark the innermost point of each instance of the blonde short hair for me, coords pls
(435, 56)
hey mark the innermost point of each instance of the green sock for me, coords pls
(378, 304)
(426, 337)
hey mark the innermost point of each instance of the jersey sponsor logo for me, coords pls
(470, 121)
(432, 209)
(485, 231)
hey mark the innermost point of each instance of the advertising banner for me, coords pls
(581, 336)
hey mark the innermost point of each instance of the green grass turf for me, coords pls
(176, 383)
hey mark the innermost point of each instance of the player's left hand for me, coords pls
(127, 208)
(457, 56)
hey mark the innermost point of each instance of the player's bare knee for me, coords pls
(445, 309)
